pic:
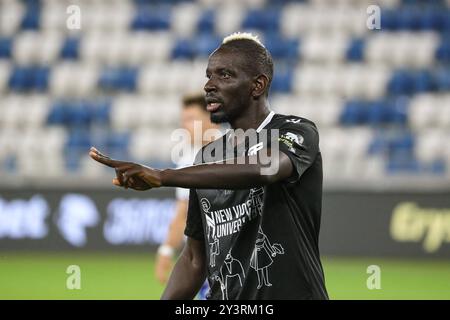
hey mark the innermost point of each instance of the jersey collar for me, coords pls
(266, 121)
(261, 126)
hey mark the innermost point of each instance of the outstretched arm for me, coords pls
(188, 274)
(204, 176)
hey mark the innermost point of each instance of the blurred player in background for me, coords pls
(193, 110)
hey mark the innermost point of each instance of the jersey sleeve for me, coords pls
(194, 226)
(300, 142)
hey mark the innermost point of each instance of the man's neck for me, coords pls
(253, 118)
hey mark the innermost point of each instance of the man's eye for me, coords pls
(225, 75)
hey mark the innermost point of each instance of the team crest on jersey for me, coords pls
(289, 138)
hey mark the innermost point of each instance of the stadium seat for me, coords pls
(205, 22)
(29, 78)
(31, 17)
(5, 70)
(118, 79)
(282, 80)
(229, 19)
(324, 48)
(148, 18)
(355, 51)
(184, 20)
(443, 51)
(266, 20)
(70, 48)
(283, 48)
(11, 13)
(430, 145)
(183, 49)
(5, 47)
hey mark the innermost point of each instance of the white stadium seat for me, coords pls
(11, 13)
(35, 48)
(73, 79)
(5, 70)
(184, 19)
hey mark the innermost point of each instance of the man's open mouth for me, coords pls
(213, 106)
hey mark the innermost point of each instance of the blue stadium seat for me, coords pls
(206, 23)
(389, 20)
(353, 113)
(282, 79)
(445, 20)
(183, 49)
(398, 111)
(123, 78)
(21, 79)
(267, 20)
(9, 164)
(5, 47)
(151, 18)
(443, 51)
(79, 113)
(424, 81)
(70, 48)
(377, 112)
(402, 82)
(432, 18)
(78, 139)
(159, 2)
(402, 163)
(355, 51)
(31, 17)
(402, 143)
(101, 112)
(379, 145)
(204, 44)
(423, 2)
(443, 79)
(41, 77)
(437, 167)
(282, 48)
(409, 18)
(200, 46)
(29, 78)
(118, 141)
(57, 114)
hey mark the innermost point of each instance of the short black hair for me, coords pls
(197, 99)
(255, 54)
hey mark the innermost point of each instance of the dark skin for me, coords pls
(243, 103)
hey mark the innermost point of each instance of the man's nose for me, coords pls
(210, 86)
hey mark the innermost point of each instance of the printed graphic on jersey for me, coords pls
(289, 138)
(262, 258)
(231, 272)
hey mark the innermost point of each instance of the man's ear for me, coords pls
(260, 84)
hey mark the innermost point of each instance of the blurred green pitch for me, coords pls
(131, 276)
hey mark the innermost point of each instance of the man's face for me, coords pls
(229, 86)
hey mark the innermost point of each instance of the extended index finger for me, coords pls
(97, 156)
